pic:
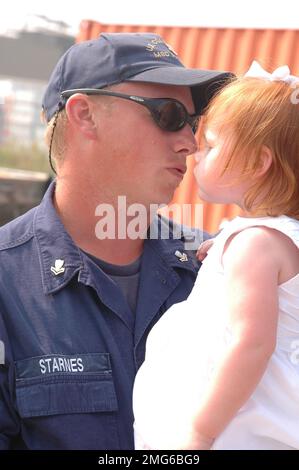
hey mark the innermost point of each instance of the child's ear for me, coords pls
(266, 159)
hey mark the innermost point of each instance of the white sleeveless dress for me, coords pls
(184, 346)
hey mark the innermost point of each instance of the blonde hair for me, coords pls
(58, 144)
(254, 113)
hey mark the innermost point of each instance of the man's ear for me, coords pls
(266, 159)
(80, 115)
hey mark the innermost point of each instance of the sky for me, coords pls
(210, 13)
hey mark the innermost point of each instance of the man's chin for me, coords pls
(164, 201)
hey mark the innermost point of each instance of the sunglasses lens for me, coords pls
(195, 124)
(171, 116)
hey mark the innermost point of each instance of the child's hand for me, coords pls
(198, 442)
(203, 249)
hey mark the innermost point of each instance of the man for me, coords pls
(76, 306)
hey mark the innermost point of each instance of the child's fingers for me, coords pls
(203, 249)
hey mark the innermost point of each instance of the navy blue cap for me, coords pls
(126, 57)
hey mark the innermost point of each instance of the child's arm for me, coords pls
(251, 266)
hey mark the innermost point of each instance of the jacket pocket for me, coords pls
(64, 395)
(62, 384)
(83, 399)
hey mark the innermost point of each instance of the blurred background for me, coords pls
(34, 34)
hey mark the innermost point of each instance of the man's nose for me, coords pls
(186, 141)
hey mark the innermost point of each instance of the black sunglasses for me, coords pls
(168, 113)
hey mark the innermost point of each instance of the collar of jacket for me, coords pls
(54, 243)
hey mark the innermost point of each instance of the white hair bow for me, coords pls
(280, 74)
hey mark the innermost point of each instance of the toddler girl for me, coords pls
(222, 368)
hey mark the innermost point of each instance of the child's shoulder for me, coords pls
(264, 244)
(253, 240)
(255, 232)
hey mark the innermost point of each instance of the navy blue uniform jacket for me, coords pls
(72, 346)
